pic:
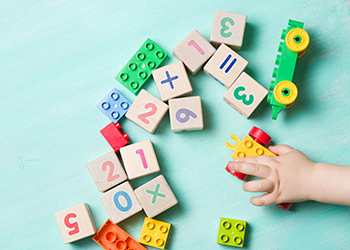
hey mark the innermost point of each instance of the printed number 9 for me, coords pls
(223, 32)
(188, 113)
(243, 97)
(74, 226)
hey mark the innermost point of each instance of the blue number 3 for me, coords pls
(243, 97)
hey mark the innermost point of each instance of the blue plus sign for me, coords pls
(169, 79)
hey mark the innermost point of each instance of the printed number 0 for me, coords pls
(127, 198)
(74, 226)
(188, 113)
(223, 32)
(143, 116)
(243, 97)
(110, 176)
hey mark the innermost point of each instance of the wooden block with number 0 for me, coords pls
(245, 95)
(107, 171)
(228, 28)
(75, 223)
(139, 159)
(194, 51)
(186, 114)
(147, 111)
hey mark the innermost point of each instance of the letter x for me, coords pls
(169, 79)
(155, 193)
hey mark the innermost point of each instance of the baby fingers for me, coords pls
(264, 185)
(250, 169)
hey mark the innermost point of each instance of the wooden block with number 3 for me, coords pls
(147, 111)
(139, 159)
(194, 51)
(186, 114)
(107, 171)
(75, 223)
(245, 95)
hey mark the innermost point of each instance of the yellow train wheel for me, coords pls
(301, 53)
(297, 40)
(285, 93)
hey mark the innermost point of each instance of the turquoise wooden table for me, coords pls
(58, 59)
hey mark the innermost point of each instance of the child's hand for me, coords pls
(285, 177)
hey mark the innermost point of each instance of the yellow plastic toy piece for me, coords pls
(154, 233)
(246, 148)
(285, 93)
(297, 40)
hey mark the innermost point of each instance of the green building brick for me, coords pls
(231, 232)
(139, 68)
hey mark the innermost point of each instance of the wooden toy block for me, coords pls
(121, 202)
(139, 159)
(228, 28)
(245, 95)
(194, 51)
(154, 233)
(186, 114)
(155, 196)
(225, 66)
(172, 81)
(231, 232)
(75, 223)
(147, 111)
(114, 137)
(112, 237)
(107, 171)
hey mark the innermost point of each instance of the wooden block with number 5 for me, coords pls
(147, 111)
(139, 159)
(107, 171)
(75, 223)
(186, 114)
(245, 95)
(194, 51)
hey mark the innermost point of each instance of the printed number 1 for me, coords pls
(74, 226)
(143, 157)
(243, 97)
(223, 32)
(196, 46)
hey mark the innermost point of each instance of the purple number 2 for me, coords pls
(187, 114)
(196, 46)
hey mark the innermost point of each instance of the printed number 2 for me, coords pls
(110, 176)
(187, 114)
(224, 28)
(127, 199)
(196, 46)
(143, 116)
(243, 97)
(74, 226)
(142, 156)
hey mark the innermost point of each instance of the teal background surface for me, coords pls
(58, 59)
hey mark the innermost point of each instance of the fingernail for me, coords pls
(238, 160)
(230, 166)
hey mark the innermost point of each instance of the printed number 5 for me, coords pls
(143, 116)
(243, 97)
(74, 226)
(183, 115)
(223, 32)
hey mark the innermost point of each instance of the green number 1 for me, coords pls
(223, 32)
(243, 97)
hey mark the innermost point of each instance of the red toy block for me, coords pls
(112, 237)
(237, 174)
(114, 137)
(285, 206)
(259, 136)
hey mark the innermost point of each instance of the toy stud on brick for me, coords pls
(112, 237)
(231, 232)
(194, 51)
(225, 66)
(114, 105)
(245, 95)
(114, 137)
(154, 233)
(248, 147)
(75, 223)
(139, 68)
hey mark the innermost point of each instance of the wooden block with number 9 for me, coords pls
(186, 114)
(147, 111)
(245, 95)
(75, 223)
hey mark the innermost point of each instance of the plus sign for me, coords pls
(169, 79)
(155, 193)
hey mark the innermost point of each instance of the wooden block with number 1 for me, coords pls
(147, 111)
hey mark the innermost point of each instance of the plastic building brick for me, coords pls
(154, 233)
(114, 137)
(139, 68)
(293, 46)
(112, 237)
(231, 232)
(114, 105)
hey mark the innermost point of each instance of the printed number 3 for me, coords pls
(187, 114)
(143, 116)
(223, 32)
(243, 97)
(74, 226)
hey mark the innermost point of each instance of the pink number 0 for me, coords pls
(143, 157)
(143, 116)
(196, 46)
(110, 176)
(75, 225)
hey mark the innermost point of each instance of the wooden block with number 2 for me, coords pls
(186, 114)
